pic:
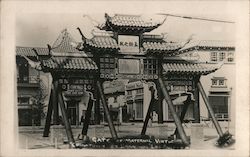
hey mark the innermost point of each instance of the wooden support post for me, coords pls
(210, 109)
(97, 114)
(160, 103)
(183, 113)
(106, 110)
(48, 116)
(174, 114)
(66, 120)
(196, 103)
(55, 102)
(87, 116)
(150, 107)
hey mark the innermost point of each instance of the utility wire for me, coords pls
(196, 18)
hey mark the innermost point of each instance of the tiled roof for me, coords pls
(27, 51)
(65, 44)
(208, 44)
(161, 46)
(193, 68)
(69, 63)
(131, 21)
(102, 42)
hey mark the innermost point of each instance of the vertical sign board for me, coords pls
(129, 44)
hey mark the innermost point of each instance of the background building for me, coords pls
(220, 85)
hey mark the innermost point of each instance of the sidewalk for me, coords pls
(31, 137)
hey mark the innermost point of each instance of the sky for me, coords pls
(37, 29)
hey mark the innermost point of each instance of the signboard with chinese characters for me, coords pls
(129, 44)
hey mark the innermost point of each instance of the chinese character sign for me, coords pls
(128, 44)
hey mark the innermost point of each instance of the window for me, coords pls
(220, 106)
(139, 91)
(23, 70)
(150, 66)
(107, 65)
(23, 100)
(214, 82)
(222, 56)
(129, 92)
(230, 57)
(218, 82)
(221, 82)
(214, 56)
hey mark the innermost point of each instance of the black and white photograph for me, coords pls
(126, 76)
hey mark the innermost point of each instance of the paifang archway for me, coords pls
(122, 50)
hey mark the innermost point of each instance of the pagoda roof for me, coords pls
(190, 68)
(208, 44)
(65, 44)
(105, 42)
(130, 22)
(69, 63)
(28, 51)
(161, 47)
(156, 47)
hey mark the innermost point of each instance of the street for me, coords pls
(31, 137)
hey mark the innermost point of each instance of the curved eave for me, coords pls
(190, 68)
(111, 27)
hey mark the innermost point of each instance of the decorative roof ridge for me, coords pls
(129, 15)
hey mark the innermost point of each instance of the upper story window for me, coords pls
(23, 71)
(150, 66)
(230, 57)
(214, 56)
(219, 82)
(222, 56)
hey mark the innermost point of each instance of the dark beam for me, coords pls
(55, 102)
(87, 116)
(48, 116)
(210, 109)
(150, 108)
(106, 110)
(196, 103)
(174, 114)
(66, 120)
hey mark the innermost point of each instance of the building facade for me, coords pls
(220, 85)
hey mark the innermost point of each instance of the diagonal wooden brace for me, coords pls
(66, 120)
(48, 116)
(175, 116)
(183, 112)
(106, 110)
(87, 116)
(225, 138)
(144, 128)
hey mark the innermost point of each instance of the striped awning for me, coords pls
(190, 68)
(69, 63)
